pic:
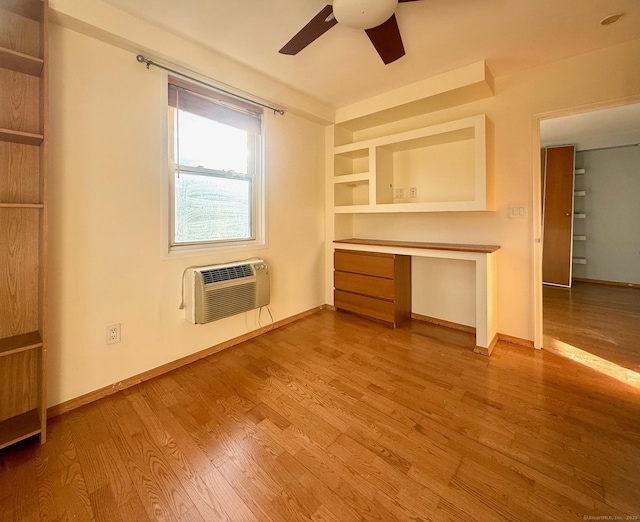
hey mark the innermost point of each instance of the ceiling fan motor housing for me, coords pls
(363, 14)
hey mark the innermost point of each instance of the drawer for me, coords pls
(364, 285)
(367, 306)
(368, 263)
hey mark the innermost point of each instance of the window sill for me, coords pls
(204, 250)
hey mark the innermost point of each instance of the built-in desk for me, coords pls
(484, 257)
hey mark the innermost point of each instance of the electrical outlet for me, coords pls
(113, 333)
(398, 193)
(413, 192)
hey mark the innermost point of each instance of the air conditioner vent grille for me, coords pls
(229, 273)
(229, 301)
(217, 291)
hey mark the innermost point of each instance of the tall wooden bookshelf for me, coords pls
(23, 219)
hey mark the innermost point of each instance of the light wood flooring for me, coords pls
(336, 418)
(599, 319)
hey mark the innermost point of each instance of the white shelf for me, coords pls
(351, 160)
(353, 209)
(352, 178)
(351, 193)
(352, 150)
(579, 238)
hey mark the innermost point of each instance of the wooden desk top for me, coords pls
(455, 247)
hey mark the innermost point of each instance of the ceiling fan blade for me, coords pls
(318, 25)
(407, 1)
(387, 40)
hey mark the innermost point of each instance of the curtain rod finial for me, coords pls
(142, 59)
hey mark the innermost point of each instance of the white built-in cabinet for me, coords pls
(579, 218)
(429, 169)
(394, 153)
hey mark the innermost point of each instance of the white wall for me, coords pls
(108, 125)
(606, 77)
(612, 206)
(425, 169)
(450, 297)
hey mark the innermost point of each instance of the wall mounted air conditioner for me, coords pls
(218, 291)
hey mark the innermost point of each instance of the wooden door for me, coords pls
(557, 226)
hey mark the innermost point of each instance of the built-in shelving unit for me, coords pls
(399, 153)
(381, 159)
(23, 223)
(437, 168)
(579, 218)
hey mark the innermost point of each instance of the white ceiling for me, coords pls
(605, 128)
(342, 67)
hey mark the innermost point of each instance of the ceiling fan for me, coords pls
(376, 17)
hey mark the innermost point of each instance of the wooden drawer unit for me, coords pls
(373, 285)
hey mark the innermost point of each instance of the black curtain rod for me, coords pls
(148, 63)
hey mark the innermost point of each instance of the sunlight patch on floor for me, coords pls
(599, 364)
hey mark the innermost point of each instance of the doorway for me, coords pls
(596, 318)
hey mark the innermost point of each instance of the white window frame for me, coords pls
(257, 209)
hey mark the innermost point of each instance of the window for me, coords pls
(216, 178)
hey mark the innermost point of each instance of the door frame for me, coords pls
(536, 204)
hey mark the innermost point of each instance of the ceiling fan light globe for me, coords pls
(363, 14)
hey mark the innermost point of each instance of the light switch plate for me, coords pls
(517, 211)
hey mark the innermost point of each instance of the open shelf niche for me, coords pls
(431, 169)
(579, 219)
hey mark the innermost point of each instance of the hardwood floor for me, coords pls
(599, 319)
(336, 418)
